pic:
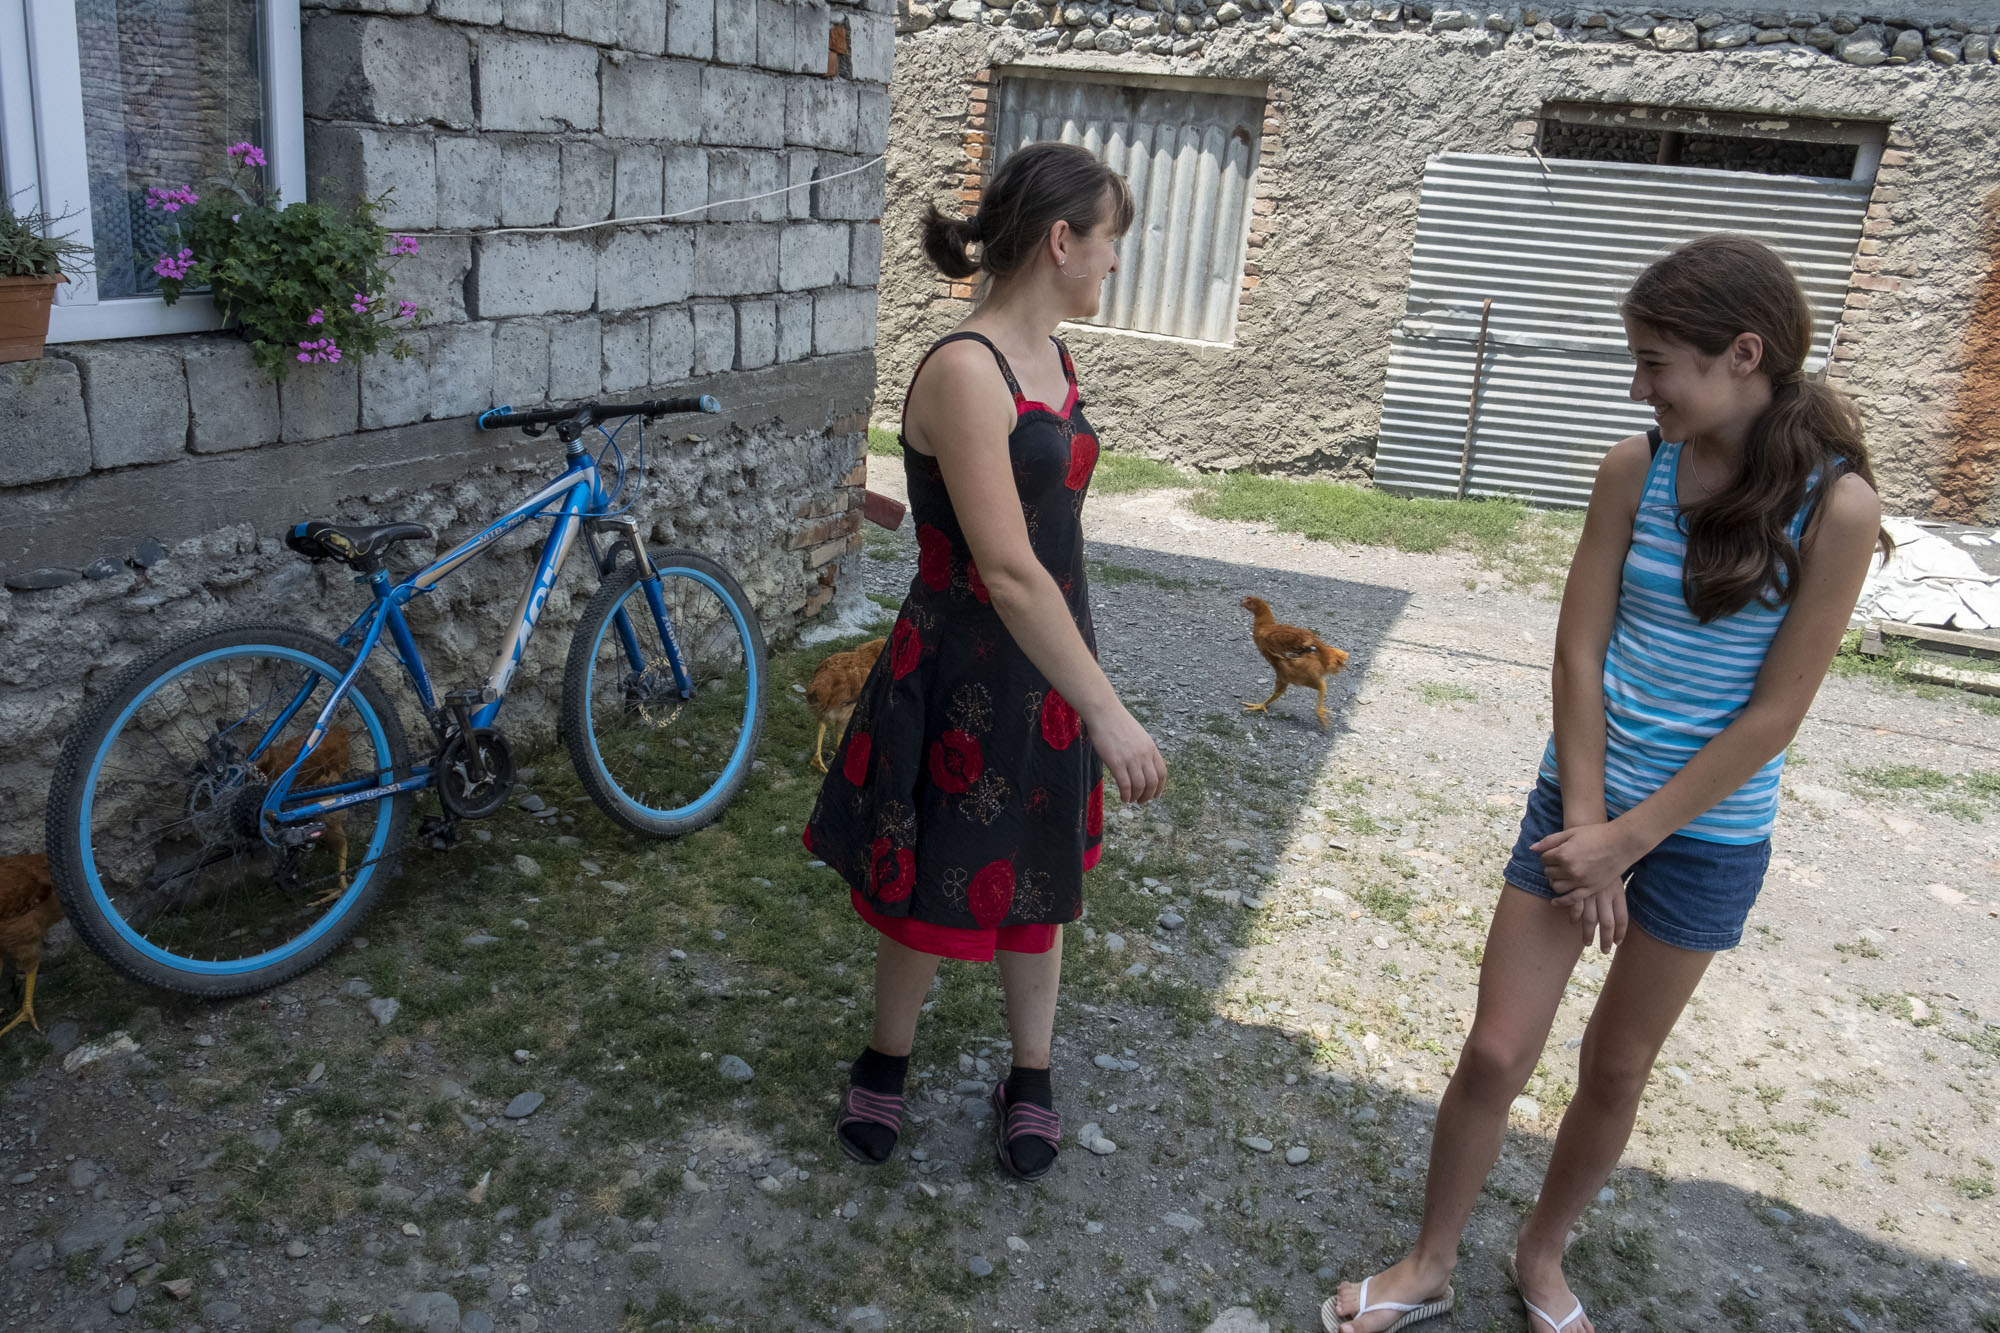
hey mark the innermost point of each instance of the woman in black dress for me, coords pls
(966, 799)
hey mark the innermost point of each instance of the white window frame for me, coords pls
(41, 132)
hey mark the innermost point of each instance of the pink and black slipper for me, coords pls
(1023, 1119)
(862, 1107)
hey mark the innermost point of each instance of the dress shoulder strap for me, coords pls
(1006, 371)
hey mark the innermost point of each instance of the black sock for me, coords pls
(1031, 1153)
(879, 1073)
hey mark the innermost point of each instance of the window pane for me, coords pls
(167, 86)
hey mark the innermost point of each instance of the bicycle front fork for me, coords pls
(624, 528)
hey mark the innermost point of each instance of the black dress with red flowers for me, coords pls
(965, 793)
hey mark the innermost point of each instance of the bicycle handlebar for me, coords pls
(506, 418)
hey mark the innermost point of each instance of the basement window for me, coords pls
(1716, 141)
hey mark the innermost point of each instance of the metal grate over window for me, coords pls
(1190, 156)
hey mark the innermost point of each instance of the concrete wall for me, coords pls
(145, 482)
(1360, 95)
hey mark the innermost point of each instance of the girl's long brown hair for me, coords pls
(1704, 294)
(1038, 186)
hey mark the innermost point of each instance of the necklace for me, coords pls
(1694, 472)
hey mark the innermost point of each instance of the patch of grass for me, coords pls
(1973, 1188)
(1530, 547)
(1902, 777)
(1960, 795)
(884, 443)
(1119, 575)
(1444, 692)
(1894, 667)
(1122, 474)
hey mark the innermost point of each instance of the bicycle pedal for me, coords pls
(298, 835)
(438, 832)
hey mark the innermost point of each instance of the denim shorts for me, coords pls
(1686, 892)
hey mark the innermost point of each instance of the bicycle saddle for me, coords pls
(350, 543)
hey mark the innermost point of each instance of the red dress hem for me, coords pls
(970, 945)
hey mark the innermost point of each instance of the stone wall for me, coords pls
(1359, 95)
(145, 482)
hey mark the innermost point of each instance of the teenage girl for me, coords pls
(967, 797)
(1719, 562)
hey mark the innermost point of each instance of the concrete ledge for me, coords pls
(69, 524)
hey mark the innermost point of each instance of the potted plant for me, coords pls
(31, 264)
(303, 283)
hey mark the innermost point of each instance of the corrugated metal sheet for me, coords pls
(1555, 244)
(1191, 159)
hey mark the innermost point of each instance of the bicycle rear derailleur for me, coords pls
(475, 768)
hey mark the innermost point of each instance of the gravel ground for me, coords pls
(1816, 1151)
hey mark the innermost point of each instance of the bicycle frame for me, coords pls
(577, 502)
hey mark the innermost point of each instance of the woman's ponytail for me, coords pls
(948, 240)
(1038, 185)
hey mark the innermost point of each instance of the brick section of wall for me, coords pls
(1869, 278)
(1264, 201)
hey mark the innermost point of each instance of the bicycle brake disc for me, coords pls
(475, 788)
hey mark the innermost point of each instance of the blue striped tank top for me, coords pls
(1672, 683)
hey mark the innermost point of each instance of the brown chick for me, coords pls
(29, 909)
(327, 764)
(834, 689)
(1299, 656)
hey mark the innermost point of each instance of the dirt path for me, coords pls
(1816, 1151)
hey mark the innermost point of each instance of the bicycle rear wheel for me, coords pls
(662, 728)
(154, 832)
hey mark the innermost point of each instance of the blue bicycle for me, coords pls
(228, 811)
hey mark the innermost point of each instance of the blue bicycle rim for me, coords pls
(740, 755)
(235, 966)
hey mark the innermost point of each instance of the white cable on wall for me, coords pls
(662, 217)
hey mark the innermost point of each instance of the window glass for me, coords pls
(168, 85)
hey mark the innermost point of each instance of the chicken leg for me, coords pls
(1319, 709)
(335, 837)
(1265, 706)
(27, 1010)
(819, 747)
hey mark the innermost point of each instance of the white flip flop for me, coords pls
(1330, 1319)
(1555, 1325)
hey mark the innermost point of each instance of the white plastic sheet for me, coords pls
(1936, 577)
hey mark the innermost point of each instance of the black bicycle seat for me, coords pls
(351, 543)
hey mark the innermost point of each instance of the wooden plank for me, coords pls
(1979, 682)
(1984, 645)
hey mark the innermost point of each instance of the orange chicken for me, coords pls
(29, 909)
(327, 764)
(834, 689)
(1299, 656)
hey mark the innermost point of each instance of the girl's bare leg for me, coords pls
(902, 979)
(1530, 950)
(1030, 981)
(1648, 987)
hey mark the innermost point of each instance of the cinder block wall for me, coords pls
(1359, 94)
(145, 482)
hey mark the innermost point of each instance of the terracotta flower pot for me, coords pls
(24, 315)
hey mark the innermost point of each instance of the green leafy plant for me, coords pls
(30, 249)
(305, 283)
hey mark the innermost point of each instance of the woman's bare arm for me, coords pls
(961, 412)
(1583, 631)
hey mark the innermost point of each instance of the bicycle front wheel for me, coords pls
(156, 838)
(663, 694)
